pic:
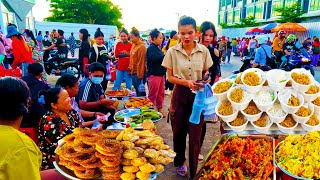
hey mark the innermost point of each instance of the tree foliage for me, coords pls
(223, 25)
(247, 22)
(85, 11)
(291, 14)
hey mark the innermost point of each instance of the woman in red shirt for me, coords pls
(122, 51)
(21, 51)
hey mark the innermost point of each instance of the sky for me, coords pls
(148, 14)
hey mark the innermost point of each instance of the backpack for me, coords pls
(270, 61)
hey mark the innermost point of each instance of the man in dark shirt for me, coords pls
(288, 48)
(91, 95)
(62, 53)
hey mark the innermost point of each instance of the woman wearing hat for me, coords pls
(21, 51)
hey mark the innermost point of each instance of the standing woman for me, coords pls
(122, 52)
(316, 52)
(208, 34)
(99, 53)
(72, 44)
(21, 52)
(186, 63)
(137, 66)
(155, 71)
(39, 40)
(84, 49)
(223, 48)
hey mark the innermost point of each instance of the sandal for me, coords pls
(182, 170)
(200, 158)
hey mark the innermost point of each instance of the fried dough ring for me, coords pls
(130, 169)
(95, 164)
(108, 145)
(110, 169)
(107, 158)
(111, 176)
(139, 150)
(75, 166)
(84, 148)
(110, 134)
(87, 174)
(127, 144)
(89, 137)
(63, 162)
(69, 152)
(85, 158)
(69, 139)
(111, 163)
(143, 176)
(61, 149)
(159, 168)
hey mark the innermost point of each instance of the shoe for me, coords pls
(167, 92)
(200, 158)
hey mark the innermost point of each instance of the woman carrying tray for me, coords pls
(186, 63)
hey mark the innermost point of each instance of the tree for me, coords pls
(247, 22)
(85, 11)
(223, 25)
(291, 14)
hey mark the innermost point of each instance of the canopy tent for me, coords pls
(254, 31)
(291, 27)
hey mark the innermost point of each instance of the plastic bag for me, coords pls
(142, 87)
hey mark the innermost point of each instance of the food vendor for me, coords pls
(59, 121)
(20, 156)
(91, 95)
(71, 84)
(186, 63)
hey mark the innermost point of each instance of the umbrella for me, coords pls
(292, 27)
(254, 31)
(268, 27)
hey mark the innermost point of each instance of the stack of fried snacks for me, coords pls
(138, 103)
(144, 153)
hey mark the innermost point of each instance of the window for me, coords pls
(228, 3)
(259, 11)
(236, 16)
(276, 4)
(289, 3)
(221, 18)
(239, 3)
(314, 5)
(250, 1)
(8, 17)
(230, 17)
(250, 11)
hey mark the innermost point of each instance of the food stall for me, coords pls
(256, 105)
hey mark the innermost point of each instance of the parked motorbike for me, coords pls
(68, 65)
(298, 60)
(246, 64)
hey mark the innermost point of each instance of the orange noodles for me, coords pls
(236, 95)
(222, 87)
(251, 109)
(313, 89)
(288, 122)
(316, 101)
(239, 121)
(313, 121)
(293, 101)
(301, 78)
(303, 112)
(251, 79)
(225, 109)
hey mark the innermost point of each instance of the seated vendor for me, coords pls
(91, 95)
(71, 84)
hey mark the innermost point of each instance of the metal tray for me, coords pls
(126, 113)
(70, 175)
(226, 137)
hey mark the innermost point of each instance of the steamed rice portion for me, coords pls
(264, 97)
(277, 110)
(278, 78)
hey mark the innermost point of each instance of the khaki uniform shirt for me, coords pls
(188, 67)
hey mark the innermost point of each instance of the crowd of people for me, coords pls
(178, 63)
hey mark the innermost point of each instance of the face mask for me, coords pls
(97, 80)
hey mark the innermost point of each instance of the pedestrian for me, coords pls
(171, 42)
(223, 48)
(264, 51)
(84, 51)
(53, 36)
(252, 45)
(2, 50)
(277, 45)
(99, 53)
(137, 66)
(122, 52)
(208, 34)
(243, 47)
(72, 44)
(227, 54)
(186, 64)
(39, 40)
(234, 46)
(21, 52)
(156, 72)
(316, 52)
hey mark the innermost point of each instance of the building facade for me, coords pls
(18, 12)
(231, 11)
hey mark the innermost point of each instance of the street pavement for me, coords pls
(213, 130)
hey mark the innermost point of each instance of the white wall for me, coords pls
(74, 27)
